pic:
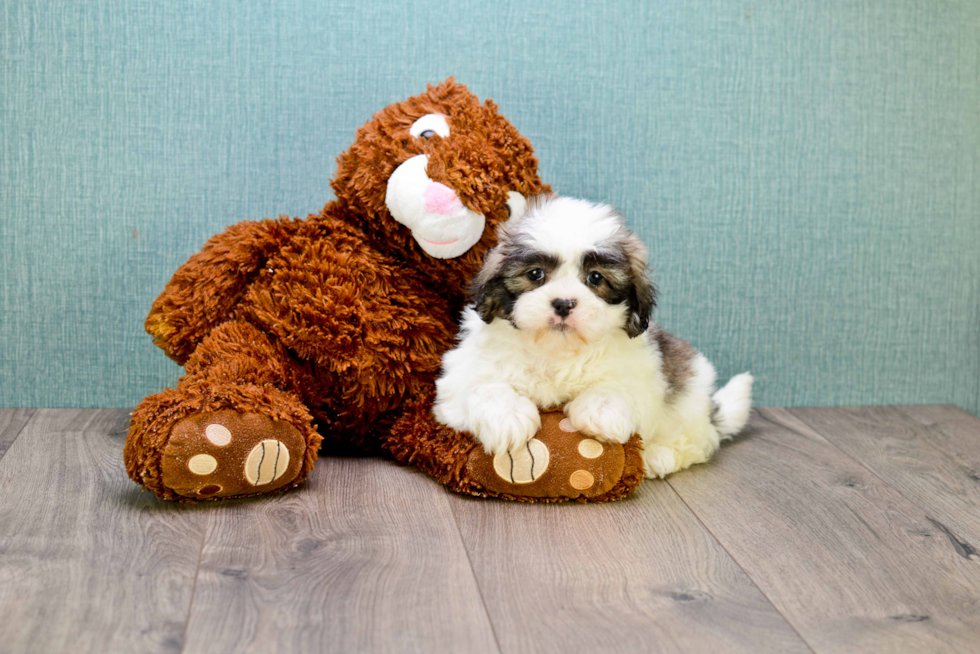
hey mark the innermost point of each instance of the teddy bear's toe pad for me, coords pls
(226, 453)
(557, 463)
(524, 465)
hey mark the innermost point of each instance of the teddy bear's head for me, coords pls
(429, 179)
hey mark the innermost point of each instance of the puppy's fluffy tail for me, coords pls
(731, 405)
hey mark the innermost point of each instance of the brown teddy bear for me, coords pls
(342, 319)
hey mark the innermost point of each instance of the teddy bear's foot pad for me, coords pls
(558, 463)
(226, 453)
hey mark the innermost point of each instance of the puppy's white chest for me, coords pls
(549, 383)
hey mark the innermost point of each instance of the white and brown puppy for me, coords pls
(561, 316)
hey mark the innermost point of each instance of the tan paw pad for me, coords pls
(202, 464)
(590, 448)
(266, 462)
(218, 434)
(581, 480)
(524, 465)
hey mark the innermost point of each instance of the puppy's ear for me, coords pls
(493, 300)
(642, 300)
(490, 295)
(642, 296)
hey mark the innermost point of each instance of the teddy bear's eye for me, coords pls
(535, 275)
(430, 125)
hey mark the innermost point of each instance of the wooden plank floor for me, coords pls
(818, 530)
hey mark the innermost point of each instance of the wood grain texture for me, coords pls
(88, 563)
(824, 530)
(12, 421)
(638, 575)
(364, 558)
(934, 464)
(852, 564)
(958, 432)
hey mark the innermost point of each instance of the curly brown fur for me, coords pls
(235, 367)
(341, 317)
(204, 290)
(483, 159)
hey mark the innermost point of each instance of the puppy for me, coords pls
(561, 316)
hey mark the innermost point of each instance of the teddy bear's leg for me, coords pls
(232, 426)
(558, 465)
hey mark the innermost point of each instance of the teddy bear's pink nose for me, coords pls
(441, 199)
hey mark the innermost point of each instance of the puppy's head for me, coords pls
(568, 272)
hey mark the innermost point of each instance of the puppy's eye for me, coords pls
(594, 278)
(535, 275)
(427, 134)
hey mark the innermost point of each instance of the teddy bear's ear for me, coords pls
(516, 206)
(527, 205)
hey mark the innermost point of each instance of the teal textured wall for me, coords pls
(805, 172)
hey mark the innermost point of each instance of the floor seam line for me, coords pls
(197, 572)
(476, 582)
(30, 419)
(742, 568)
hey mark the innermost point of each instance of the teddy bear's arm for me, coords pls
(204, 290)
(343, 305)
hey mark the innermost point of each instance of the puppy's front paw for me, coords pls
(604, 415)
(507, 424)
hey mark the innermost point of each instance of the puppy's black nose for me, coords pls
(563, 307)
